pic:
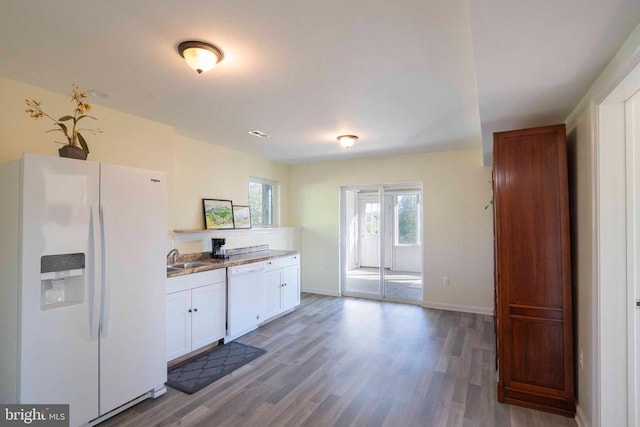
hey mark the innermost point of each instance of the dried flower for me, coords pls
(74, 138)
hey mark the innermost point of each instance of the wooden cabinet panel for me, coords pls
(535, 343)
(534, 331)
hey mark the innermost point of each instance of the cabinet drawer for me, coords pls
(195, 280)
(274, 264)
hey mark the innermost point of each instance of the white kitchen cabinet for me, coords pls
(208, 317)
(281, 290)
(178, 324)
(291, 284)
(272, 293)
(196, 311)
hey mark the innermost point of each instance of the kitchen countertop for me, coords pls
(232, 261)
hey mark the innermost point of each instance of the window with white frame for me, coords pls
(262, 202)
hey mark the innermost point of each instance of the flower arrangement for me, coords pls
(68, 125)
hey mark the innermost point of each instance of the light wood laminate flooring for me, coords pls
(353, 362)
(398, 285)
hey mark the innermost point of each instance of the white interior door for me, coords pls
(369, 227)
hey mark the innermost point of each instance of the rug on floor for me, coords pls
(203, 369)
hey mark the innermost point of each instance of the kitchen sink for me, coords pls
(187, 265)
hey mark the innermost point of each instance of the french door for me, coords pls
(378, 260)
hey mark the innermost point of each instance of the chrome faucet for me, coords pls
(173, 253)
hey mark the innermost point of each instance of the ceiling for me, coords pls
(405, 76)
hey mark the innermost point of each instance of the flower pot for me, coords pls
(73, 152)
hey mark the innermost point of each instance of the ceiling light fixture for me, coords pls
(259, 133)
(199, 55)
(347, 141)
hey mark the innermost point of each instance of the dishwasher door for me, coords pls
(244, 299)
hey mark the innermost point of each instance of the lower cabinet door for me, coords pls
(272, 289)
(207, 314)
(290, 286)
(178, 324)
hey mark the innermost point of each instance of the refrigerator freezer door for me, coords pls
(132, 338)
(59, 358)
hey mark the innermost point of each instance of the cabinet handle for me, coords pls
(195, 309)
(190, 310)
(284, 284)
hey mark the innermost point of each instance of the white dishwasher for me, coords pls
(244, 299)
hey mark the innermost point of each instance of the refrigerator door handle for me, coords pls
(105, 318)
(95, 280)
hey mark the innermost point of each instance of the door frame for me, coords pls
(342, 240)
(632, 138)
(342, 230)
(612, 255)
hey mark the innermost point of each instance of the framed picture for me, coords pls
(242, 216)
(217, 213)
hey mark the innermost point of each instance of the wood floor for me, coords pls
(352, 362)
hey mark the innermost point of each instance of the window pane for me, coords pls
(267, 203)
(261, 203)
(408, 219)
(255, 202)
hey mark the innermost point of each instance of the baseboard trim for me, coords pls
(320, 292)
(580, 417)
(462, 308)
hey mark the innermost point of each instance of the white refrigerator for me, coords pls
(82, 285)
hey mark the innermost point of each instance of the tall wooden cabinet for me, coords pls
(533, 282)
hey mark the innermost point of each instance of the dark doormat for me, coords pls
(201, 370)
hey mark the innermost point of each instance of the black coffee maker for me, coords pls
(216, 248)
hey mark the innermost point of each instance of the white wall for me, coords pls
(196, 169)
(458, 232)
(582, 205)
(283, 238)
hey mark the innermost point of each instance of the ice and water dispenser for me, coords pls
(62, 280)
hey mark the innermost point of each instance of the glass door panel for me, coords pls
(363, 243)
(402, 275)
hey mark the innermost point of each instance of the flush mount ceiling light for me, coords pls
(259, 133)
(199, 55)
(347, 141)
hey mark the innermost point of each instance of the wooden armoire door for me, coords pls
(533, 281)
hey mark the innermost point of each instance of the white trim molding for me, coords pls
(320, 292)
(461, 308)
(580, 417)
(204, 234)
